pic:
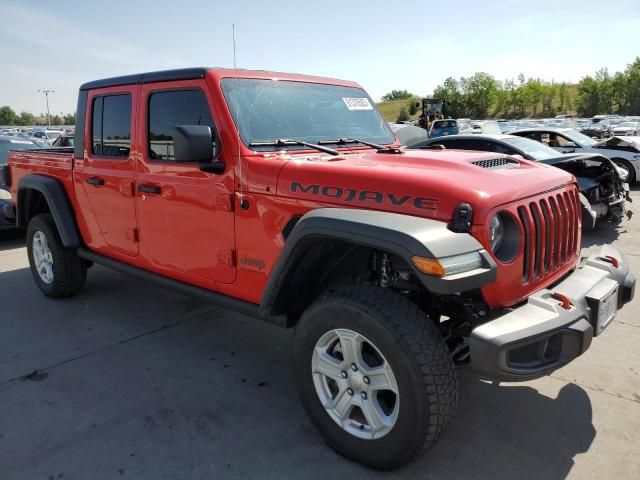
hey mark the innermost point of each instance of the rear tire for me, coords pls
(57, 270)
(422, 372)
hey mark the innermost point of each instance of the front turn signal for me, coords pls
(448, 265)
(429, 266)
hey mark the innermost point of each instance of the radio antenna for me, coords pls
(235, 72)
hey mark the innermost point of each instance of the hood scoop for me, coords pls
(497, 163)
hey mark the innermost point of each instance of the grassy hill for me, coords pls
(391, 110)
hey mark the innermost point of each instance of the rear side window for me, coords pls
(168, 109)
(111, 126)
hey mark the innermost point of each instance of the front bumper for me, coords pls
(543, 335)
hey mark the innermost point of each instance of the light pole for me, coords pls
(46, 94)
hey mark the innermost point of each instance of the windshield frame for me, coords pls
(337, 142)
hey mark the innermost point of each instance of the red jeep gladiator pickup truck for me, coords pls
(287, 197)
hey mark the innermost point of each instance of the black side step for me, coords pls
(240, 306)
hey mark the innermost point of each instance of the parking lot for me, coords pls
(128, 380)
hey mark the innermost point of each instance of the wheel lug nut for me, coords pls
(350, 391)
(344, 374)
(354, 367)
(364, 395)
(366, 380)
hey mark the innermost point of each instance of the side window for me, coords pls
(532, 135)
(447, 143)
(500, 148)
(168, 109)
(111, 126)
(474, 144)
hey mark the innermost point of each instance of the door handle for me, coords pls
(149, 189)
(97, 181)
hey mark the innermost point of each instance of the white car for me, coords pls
(626, 129)
(624, 151)
(48, 136)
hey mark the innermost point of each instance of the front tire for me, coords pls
(374, 375)
(625, 165)
(57, 270)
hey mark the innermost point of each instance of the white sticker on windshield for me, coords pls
(357, 103)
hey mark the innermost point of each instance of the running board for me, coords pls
(224, 301)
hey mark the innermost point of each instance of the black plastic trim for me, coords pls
(58, 202)
(148, 77)
(246, 308)
(5, 176)
(402, 235)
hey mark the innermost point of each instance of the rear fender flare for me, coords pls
(58, 202)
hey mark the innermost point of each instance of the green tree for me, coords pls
(450, 91)
(403, 116)
(7, 116)
(413, 105)
(627, 88)
(26, 119)
(588, 100)
(397, 95)
(70, 119)
(479, 91)
(564, 98)
(56, 120)
(606, 93)
(549, 93)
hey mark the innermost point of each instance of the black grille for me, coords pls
(496, 163)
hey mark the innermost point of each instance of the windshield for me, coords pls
(536, 150)
(14, 144)
(445, 124)
(579, 138)
(627, 124)
(268, 110)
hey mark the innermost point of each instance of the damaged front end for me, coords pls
(603, 188)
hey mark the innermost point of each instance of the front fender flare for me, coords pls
(402, 235)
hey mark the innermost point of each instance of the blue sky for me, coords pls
(383, 45)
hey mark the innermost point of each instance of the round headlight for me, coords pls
(496, 233)
(504, 237)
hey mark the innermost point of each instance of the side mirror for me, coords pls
(570, 145)
(193, 143)
(196, 143)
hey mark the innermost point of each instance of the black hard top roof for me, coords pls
(149, 77)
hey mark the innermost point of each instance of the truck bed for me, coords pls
(52, 162)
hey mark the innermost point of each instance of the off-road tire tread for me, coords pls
(70, 270)
(404, 319)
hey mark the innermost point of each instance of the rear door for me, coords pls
(185, 215)
(106, 173)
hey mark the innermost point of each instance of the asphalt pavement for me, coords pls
(129, 380)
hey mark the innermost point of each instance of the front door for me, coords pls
(185, 215)
(106, 173)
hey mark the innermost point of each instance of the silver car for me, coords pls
(624, 151)
(626, 129)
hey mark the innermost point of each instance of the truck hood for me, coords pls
(426, 183)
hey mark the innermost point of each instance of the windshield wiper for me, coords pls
(283, 142)
(379, 148)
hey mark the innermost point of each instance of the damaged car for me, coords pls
(603, 190)
(623, 151)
